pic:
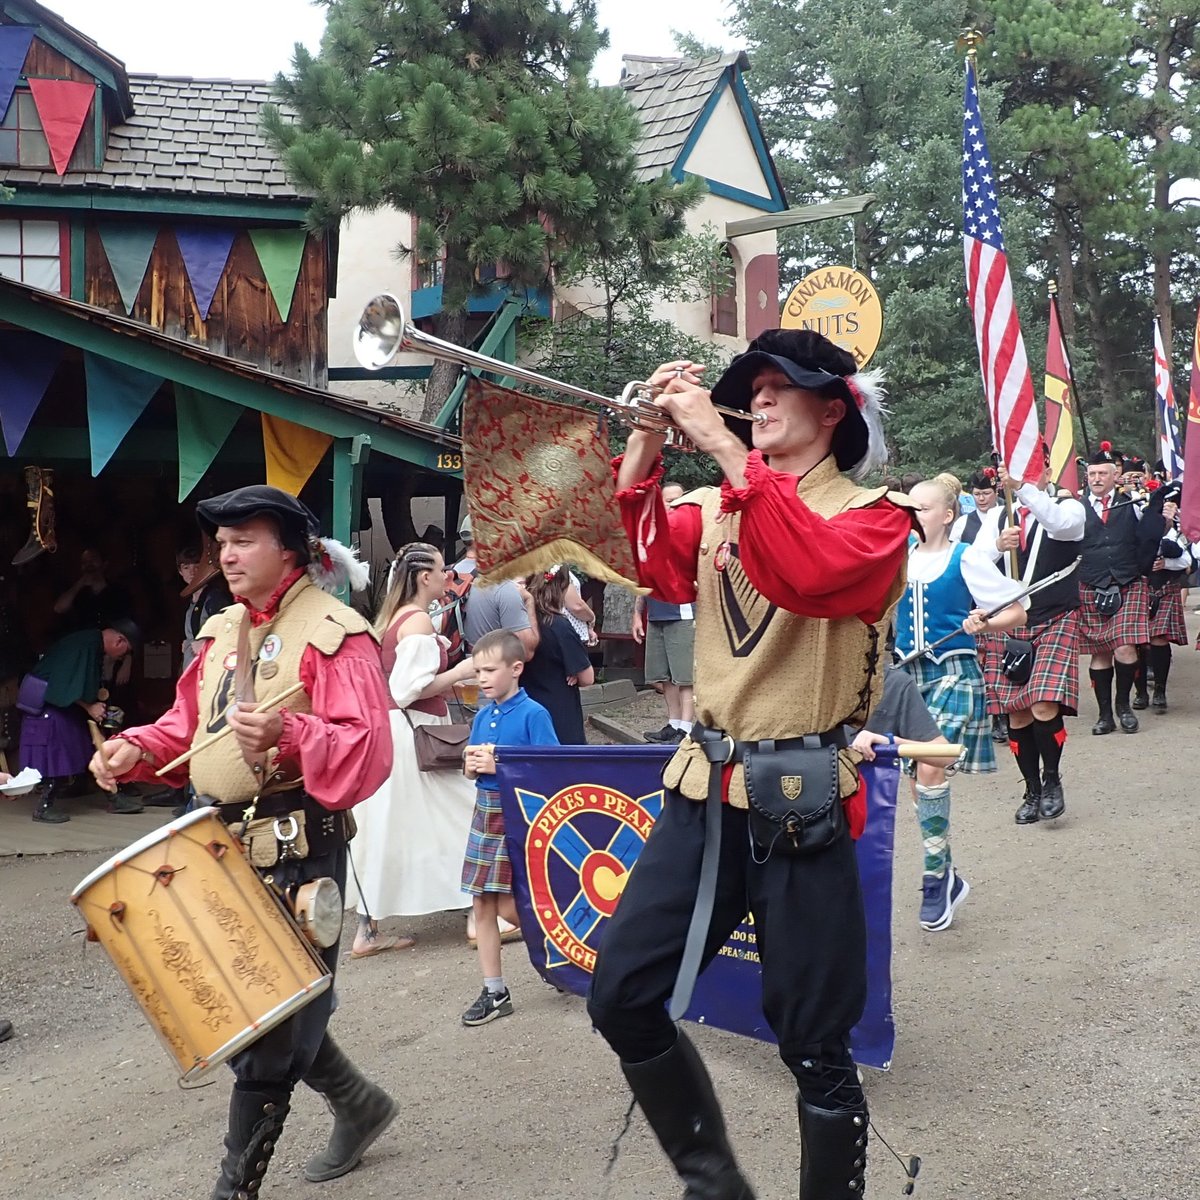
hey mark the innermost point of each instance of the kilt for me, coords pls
(486, 867)
(953, 691)
(1130, 627)
(1168, 622)
(1055, 675)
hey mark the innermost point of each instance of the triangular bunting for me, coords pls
(280, 252)
(116, 397)
(27, 364)
(205, 250)
(129, 248)
(293, 452)
(204, 423)
(63, 107)
(15, 41)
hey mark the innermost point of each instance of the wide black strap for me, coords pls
(717, 749)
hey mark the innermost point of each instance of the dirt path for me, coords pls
(1047, 1043)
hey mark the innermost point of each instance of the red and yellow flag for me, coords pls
(1060, 417)
(1189, 506)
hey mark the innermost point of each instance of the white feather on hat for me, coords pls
(333, 566)
(870, 386)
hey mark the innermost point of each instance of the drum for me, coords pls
(206, 948)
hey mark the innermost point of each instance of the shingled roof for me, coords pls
(187, 136)
(669, 95)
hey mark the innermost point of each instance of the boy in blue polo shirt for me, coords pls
(507, 718)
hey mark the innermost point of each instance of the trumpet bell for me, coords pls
(379, 335)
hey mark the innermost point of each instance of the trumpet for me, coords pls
(383, 331)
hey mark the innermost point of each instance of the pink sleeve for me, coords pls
(171, 734)
(813, 566)
(344, 746)
(665, 541)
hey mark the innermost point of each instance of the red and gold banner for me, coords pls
(1060, 423)
(1189, 509)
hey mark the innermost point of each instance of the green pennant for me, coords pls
(280, 252)
(116, 396)
(129, 248)
(204, 422)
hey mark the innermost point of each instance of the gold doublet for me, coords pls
(763, 672)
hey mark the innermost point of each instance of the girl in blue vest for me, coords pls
(947, 594)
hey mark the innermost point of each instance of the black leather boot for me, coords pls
(1030, 810)
(833, 1153)
(1054, 803)
(676, 1094)
(255, 1121)
(361, 1112)
(44, 810)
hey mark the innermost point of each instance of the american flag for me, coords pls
(1006, 382)
(1168, 413)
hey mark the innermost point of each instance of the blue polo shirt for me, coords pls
(518, 721)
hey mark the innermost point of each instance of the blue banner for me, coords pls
(576, 818)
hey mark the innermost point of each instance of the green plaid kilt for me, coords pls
(954, 693)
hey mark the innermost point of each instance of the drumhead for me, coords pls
(151, 839)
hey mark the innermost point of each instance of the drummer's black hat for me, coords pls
(297, 524)
(810, 361)
(1106, 456)
(1134, 462)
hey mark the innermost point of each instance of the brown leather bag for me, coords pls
(439, 747)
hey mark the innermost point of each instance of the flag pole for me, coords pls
(1087, 448)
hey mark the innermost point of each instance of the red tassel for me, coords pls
(1060, 736)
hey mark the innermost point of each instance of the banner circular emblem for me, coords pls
(840, 303)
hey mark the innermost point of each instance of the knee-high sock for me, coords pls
(1023, 743)
(1050, 736)
(1140, 674)
(1102, 683)
(1125, 673)
(933, 815)
(1160, 659)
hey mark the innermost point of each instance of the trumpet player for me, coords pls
(795, 570)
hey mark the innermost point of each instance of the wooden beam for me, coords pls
(806, 214)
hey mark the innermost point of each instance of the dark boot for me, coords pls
(255, 1121)
(44, 810)
(1054, 803)
(1030, 810)
(676, 1094)
(1102, 685)
(361, 1112)
(1141, 698)
(833, 1153)
(1000, 728)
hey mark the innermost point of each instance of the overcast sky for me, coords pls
(253, 39)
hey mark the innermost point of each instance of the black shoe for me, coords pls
(833, 1152)
(1030, 810)
(6, 1030)
(488, 1006)
(1140, 700)
(1053, 803)
(124, 802)
(659, 735)
(255, 1121)
(677, 1098)
(1106, 724)
(999, 729)
(1159, 702)
(44, 810)
(1129, 723)
(361, 1112)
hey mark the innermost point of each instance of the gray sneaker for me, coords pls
(488, 1007)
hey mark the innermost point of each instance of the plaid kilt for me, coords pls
(1168, 622)
(1055, 675)
(953, 691)
(486, 867)
(1130, 627)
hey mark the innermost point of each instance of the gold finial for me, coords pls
(970, 39)
(1052, 287)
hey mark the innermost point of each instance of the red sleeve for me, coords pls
(172, 733)
(344, 746)
(665, 541)
(813, 566)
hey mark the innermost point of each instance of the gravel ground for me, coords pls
(1047, 1043)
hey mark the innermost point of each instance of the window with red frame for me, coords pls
(725, 297)
(32, 252)
(22, 139)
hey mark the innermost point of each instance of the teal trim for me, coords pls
(73, 444)
(388, 374)
(148, 204)
(776, 202)
(427, 302)
(73, 51)
(349, 462)
(212, 378)
(499, 341)
(78, 236)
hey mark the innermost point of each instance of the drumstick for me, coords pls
(98, 741)
(287, 694)
(924, 749)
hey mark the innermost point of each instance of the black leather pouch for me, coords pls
(1017, 663)
(795, 808)
(1108, 600)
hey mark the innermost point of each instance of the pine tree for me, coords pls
(478, 118)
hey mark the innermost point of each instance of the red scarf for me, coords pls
(260, 616)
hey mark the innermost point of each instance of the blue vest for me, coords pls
(936, 609)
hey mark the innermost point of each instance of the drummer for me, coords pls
(316, 757)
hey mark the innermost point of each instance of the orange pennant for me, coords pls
(293, 452)
(62, 106)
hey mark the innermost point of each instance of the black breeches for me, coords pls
(808, 921)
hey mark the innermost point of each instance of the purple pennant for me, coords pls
(205, 250)
(14, 46)
(27, 364)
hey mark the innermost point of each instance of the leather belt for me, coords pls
(277, 804)
(833, 737)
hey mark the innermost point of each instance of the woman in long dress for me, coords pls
(408, 854)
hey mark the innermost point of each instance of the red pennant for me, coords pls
(63, 107)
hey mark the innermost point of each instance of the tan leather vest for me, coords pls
(306, 617)
(762, 672)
